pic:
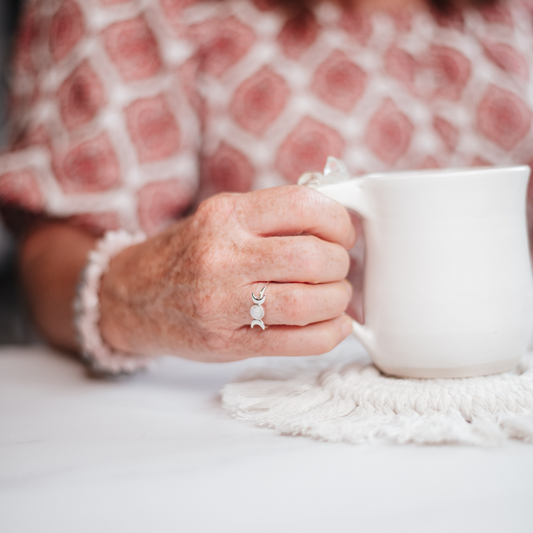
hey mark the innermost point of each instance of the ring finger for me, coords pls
(300, 304)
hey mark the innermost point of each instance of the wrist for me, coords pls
(117, 316)
(101, 354)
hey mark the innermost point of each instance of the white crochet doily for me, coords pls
(343, 397)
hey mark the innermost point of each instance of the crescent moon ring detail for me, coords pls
(257, 323)
(258, 301)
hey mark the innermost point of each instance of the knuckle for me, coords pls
(214, 207)
(300, 194)
(210, 252)
(298, 198)
(206, 209)
(320, 203)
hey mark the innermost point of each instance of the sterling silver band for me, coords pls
(256, 311)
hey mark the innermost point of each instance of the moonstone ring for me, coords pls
(256, 311)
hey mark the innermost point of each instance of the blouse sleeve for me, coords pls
(104, 116)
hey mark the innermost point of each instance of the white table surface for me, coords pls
(156, 453)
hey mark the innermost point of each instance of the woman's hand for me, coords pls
(188, 290)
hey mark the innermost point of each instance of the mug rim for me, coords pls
(442, 172)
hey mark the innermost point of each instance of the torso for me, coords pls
(136, 107)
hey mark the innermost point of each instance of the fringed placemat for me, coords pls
(343, 397)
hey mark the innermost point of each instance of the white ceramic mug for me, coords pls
(448, 289)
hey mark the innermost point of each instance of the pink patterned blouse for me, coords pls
(127, 112)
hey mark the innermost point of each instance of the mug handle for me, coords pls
(351, 195)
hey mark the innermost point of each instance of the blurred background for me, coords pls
(14, 323)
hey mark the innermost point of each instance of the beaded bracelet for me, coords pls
(98, 355)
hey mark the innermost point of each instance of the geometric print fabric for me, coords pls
(125, 113)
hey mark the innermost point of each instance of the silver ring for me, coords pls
(256, 311)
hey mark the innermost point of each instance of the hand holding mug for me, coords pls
(188, 291)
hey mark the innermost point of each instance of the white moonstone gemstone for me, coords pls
(257, 312)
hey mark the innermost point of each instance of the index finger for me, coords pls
(292, 210)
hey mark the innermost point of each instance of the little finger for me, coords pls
(314, 339)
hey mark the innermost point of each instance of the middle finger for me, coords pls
(301, 259)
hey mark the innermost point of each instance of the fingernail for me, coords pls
(346, 327)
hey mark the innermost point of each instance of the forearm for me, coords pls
(51, 259)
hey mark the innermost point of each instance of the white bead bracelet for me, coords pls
(101, 357)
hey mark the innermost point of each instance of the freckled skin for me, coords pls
(187, 291)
